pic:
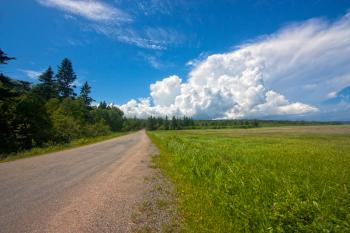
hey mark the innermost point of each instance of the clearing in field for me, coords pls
(281, 179)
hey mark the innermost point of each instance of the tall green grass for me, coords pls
(293, 179)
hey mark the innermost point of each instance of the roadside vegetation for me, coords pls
(59, 147)
(281, 179)
(49, 115)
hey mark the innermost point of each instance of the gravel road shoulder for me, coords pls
(157, 212)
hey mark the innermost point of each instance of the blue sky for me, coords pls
(122, 47)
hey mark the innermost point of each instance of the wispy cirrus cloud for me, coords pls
(164, 7)
(111, 21)
(155, 38)
(131, 36)
(149, 7)
(32, 74)
(154, 62)
(89, 9)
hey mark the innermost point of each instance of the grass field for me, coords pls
(281, 179)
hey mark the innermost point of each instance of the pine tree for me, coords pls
(166, 123)
(65, 79)
(84, 94)
(173, 123)
(102, 105)
(151, 123)
(4, 58)
(47, 88)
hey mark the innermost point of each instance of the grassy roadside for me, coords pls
(60, 147)
(263, 180)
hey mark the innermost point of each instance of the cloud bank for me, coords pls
(287, 73)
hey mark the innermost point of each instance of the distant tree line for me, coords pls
(180, 123)
(158, 123)
(50, 112)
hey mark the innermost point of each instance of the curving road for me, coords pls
(88, 189)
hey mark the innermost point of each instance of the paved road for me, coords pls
(89, 189)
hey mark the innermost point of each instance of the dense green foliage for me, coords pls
(48, 113)
(59, 147)
(281, 179)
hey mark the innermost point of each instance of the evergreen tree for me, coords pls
(47, 87)
(173, 124)
(255, 123)
(65, 79)
(84, 94)
(103, 105)
(166, 123)
(6, 83)
(8, 92)
(159, 123)
(151, 123)
(4, 58)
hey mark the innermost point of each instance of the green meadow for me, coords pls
(278, 179)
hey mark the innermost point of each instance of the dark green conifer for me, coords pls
(65, 79)
(85, 94)
(47, 87)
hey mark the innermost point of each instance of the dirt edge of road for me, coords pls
(158, 210)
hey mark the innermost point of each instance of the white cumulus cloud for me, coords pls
(307, 60)
(164, 92)
(283, 74)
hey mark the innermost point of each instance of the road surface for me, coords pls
(88, 189)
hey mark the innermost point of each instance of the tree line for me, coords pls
(174, 123)
(50, 112)
(159, 123)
